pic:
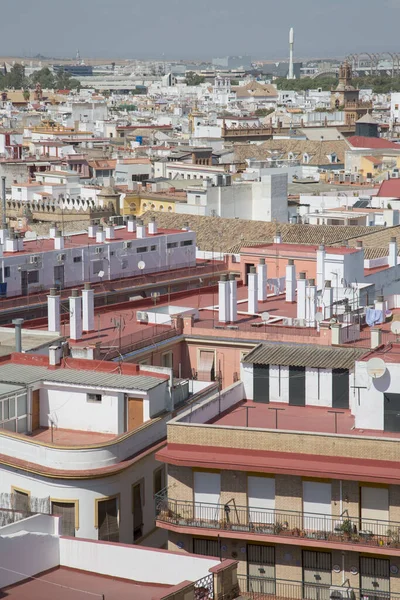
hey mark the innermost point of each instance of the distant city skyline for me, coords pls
(188, 30)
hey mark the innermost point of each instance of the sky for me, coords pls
(197, 28)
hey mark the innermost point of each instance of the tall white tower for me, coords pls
(291, 45)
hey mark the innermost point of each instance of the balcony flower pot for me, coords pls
(238, 527)
(296, 532)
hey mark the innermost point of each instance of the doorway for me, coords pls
(135, 413)
(35, 409)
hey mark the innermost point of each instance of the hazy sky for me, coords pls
(197, 28)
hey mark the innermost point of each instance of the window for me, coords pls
(107, 519)
(97, 266)
(206, 547)
(197, 199)
(158, 480)
(172, 245)
(261, 567)
(153, 248)
(141, 249)
(317, 570)
(167, 360)
(391, 409)
(187, 243)
(33, 276)
(77, 259)
(13, 414)
(206, 365)
(21, 500)
(6, 271)
(137, 507)
(94, 397)
(67, 511)
(375, 578)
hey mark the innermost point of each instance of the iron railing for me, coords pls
(256, 588)
(271, 522)
(204, 588)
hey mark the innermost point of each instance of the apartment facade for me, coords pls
(305, 498)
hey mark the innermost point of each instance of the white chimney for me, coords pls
(92, 230)
(140, 229)
(100, 235)
(262, 280)
(252, 285)
(376, 337)
(311, 303)
(321, 255)
(393, 252)
(223, 300)
(233, 298)
(301, 296)
(290, 281)
(55, 355)
(278, 238)
(3, 235)
(152, 226)
(131, 225)
(53, 230)
(88, 308)
(327, 300)
(53, 311)
(110, 233)
(11, 241)
(58, 241)
(75, 315)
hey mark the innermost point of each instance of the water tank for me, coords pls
(139, 139)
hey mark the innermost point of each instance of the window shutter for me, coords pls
(108, 520)
(66, 510)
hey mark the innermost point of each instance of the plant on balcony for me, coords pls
(393, 537)
(296, 531)
(278, 527)
(346, 527)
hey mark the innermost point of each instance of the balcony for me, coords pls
(260, 588)
(286, 527)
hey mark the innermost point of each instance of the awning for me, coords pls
(206, 365)
(263, 461)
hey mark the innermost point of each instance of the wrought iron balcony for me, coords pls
(260, 588)
(272, 522)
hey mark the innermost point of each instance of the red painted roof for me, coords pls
(358, 141)
(287, 463)
(389, 189)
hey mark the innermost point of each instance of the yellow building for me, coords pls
(138, 203)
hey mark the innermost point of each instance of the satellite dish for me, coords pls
(265, 316)
(141, 265)
(319, 317)
(376, 367)
(395, 327)
(100, 274)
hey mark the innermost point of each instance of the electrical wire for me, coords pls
(66, 587)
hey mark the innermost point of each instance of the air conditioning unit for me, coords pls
(61, 257)
(341, 593)
(33, 260)
(98, 250)
(127, 245)
(142, 316)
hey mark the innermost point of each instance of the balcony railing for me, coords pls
(258, 588)
(271, 522)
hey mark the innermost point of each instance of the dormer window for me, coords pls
(290, 156)
(306, 158)
(333, 157)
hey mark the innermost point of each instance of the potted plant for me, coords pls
(346, 528)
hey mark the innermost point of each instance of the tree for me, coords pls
(194, 78)
(44, 77)
(16, 77)
(64, 81)
(26, 94)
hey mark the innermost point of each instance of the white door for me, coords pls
(261, 499)
(207, 493)
(375, 510)
(317, 509)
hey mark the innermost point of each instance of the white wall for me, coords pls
(279, 384)
(37, 523)
(209, 408)
(246, 376)
(369, 411)
(70, 409)
(319, 395)
(137, 564)
(27, 553)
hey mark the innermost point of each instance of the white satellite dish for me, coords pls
(395, 327)
(265, 316)
(100, 274)
(141, 265)
(376, 367)
(319, 317)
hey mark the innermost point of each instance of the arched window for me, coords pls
(161, 207)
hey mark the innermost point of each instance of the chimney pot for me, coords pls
(262, 261)
(311, 282)
(74, 293)
(393, 239)
(302, 275)
(224, 278)
(328, 283)
(291, 262)
(359, 244)
(252, 269)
